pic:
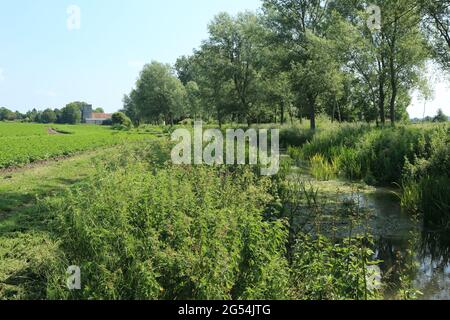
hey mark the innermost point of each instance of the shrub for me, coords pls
(186, 122)
(120, 120)
(295, 137)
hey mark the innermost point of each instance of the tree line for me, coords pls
(298, 59)
(70, 114)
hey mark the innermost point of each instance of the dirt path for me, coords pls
(52, 131)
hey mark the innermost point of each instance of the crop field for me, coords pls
(21, 144)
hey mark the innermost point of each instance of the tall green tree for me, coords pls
(406, 48)
(299, 26)
(236, 44)
(48, 116)
(159, 94)
(436, 20)
(6, 114)
(71, 113)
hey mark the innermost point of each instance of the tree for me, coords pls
(48, 116)
(185, 69)
(7, 115)
(99, 110)
(318, 77)
(440, 117)
(71, 113)
(388, 61)
(158, 95)
(193, 100)
(406, 48)
(235, 42)
(129, 108)
(299, 25)
(436, 21)
(216, 89)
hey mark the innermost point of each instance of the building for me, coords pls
(90, 117)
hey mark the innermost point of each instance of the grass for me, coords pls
(415, 157)
(25, 240)
(322, 169)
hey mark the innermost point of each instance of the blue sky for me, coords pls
(44, 64)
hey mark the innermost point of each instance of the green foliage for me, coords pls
(180, 233)
(25, 258)
(121, 121)
(426, 187)
(158, 95)
(7, 115)
(441, 117)
(321, 169)
(417, 157)
(71, 113)
(323, 270)
(349, 163)
(48, 116)
(295, 136)
(376, 155)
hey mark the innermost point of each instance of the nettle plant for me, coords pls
(192, 151)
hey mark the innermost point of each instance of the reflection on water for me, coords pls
(403, 244)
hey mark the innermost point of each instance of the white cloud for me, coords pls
(137, 64)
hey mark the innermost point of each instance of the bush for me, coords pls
(121, 121)
(186, 122)
(295, 137)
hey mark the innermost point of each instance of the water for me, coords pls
(403, 244)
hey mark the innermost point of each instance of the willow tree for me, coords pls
(406, 48)
(436, 20)
(159, 94)
(300, 27)
(235, 43)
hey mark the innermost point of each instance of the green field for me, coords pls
(21, 143)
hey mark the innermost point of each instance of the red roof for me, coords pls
(96, 115)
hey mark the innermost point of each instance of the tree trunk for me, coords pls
(392, 105)
(394, 90)
(381, 99)
(381, 93)
(312, 112)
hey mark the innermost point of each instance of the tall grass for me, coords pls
(413, 156)
(322, 169)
